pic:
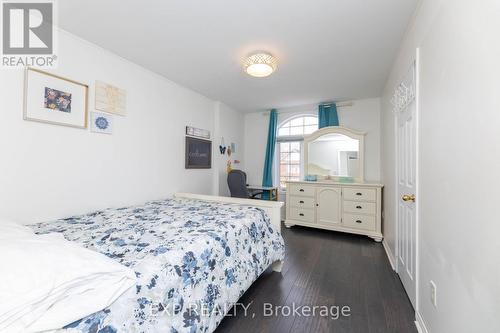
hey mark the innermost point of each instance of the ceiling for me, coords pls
(326, 49)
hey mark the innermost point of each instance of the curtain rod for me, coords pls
(339, 105)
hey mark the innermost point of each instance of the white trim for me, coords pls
(396, 191)
(417, 178)
(419, 322)
(390, 256)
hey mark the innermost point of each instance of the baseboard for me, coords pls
(419, 322)
(390, 256)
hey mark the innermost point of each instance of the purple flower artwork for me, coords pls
(57, 100)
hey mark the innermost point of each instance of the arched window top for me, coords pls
(291, 133)
(298, 126)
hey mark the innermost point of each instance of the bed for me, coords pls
(194, 256)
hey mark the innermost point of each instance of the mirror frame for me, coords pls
(353, 134)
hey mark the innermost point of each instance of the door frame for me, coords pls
(417, 62)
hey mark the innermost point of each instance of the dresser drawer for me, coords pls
(302, 214)
(301, 202)
(359, 221)
(360, 194)
(360, 207)
(299, 189)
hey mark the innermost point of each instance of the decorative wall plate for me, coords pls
(101, 123)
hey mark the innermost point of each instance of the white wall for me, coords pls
(50, 171)
(256, 125)
(364, 116)
(230, 126)
(459, 161)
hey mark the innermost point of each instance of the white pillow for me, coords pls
(48, 282)
(9, 229)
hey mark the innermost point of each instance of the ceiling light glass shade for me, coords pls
(260, 64)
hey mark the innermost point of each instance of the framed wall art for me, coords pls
(52, 99)
(109, 98)
(198, 153)
(101, 123)
(197, 132)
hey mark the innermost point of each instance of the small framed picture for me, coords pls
(101, 123)
(52, 99)
(198, 132)
(109, 98)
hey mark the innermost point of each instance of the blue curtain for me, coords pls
(328, 116)
(267, 178)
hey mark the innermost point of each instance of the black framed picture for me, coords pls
(198, 153)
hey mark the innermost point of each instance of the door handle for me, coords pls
(359, 207)
(301, 214)
(301, 201)
(301, 190)
(408, 197)
(359, 221)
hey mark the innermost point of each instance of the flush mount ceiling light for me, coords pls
(260, 64)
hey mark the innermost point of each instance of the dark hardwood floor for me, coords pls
(326, 268)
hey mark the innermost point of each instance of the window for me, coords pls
(290, 137)
(299, 126)
(289, 161)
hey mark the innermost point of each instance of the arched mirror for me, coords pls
(334, 153)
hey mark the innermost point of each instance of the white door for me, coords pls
(328, 205)
(406, 166)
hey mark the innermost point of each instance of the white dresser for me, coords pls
(348, 207)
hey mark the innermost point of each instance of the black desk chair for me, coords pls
(237, 182)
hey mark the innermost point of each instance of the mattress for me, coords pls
(193, 260)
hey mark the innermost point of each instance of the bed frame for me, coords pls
(272, 208)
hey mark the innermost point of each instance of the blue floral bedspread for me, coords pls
(193, 260)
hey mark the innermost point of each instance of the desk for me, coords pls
(272, 191)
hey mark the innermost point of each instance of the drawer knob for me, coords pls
(359, 207)
(301, 214)
(301, 190)
(301, 201)
(359, 193)
(359, 221)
